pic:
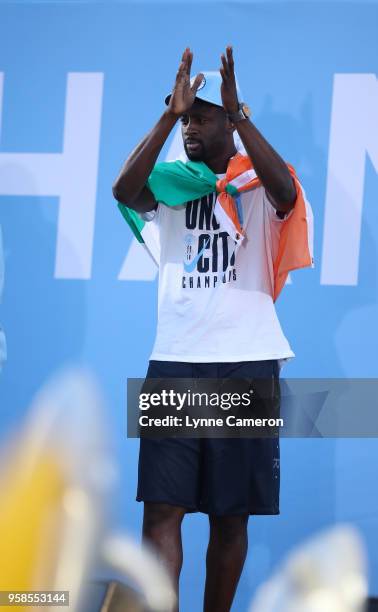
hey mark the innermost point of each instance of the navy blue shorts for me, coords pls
(219, 476)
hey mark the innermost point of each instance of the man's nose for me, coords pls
(191, 127)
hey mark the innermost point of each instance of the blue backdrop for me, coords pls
(80, 84)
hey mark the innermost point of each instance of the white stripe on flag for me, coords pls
(242, 179)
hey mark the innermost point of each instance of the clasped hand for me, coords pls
(183, 93)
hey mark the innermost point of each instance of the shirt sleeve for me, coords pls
(152, 215)
(151, 232)
(294, 234)
(272, 212)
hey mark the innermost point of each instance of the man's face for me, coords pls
(204, 130)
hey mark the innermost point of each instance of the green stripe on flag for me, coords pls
(133, 219)
(173, 183)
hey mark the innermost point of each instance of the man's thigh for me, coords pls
(216, 476)
(169, 468)
(242, 475)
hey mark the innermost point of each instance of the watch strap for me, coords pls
(241, 114)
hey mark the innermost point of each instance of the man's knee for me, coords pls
(229, 529)
(158, 518)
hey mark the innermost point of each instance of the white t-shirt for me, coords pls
(215, 305)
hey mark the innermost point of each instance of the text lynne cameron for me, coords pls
(188, 421)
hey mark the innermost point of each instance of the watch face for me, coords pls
(246, 110)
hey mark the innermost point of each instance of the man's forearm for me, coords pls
(269, 166)
(139, 164)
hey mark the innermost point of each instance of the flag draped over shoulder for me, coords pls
(175, 183)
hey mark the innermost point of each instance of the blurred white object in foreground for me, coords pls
(145, 571)
(326, 574)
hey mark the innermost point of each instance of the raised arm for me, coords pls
(130, 186)
(269, 166)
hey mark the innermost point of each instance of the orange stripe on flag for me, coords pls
(293, 248)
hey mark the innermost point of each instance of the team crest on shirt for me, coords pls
(209, 254)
